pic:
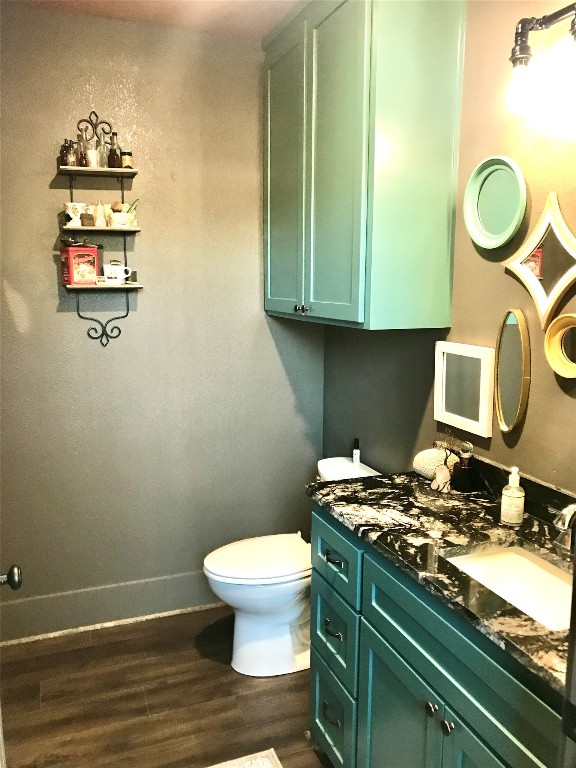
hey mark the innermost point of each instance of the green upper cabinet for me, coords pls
(284, 171)
(362, 123)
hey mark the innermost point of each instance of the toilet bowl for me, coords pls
(266, 580)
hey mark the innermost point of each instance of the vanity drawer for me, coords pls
(334, 632)
(337, 559)
(460, 663)
(332, 714)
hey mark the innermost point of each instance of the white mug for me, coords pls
(115, 273)
(73, 211)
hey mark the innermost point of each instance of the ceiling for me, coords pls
(249, 19)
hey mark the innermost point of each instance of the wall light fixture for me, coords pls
(534, 94)
(521, 53)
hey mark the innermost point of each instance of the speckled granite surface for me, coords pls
(406, 521)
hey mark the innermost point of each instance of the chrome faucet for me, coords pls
(565, 542)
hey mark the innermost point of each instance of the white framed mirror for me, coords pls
(464, 386)
(546, 262)
(512, 381)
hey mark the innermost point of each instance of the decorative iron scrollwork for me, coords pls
(96, 128)
(103, 332)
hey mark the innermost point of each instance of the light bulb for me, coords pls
(519, 88)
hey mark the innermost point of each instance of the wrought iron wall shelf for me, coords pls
(100, 331)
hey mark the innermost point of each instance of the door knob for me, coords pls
(13, 578)
(431, 708)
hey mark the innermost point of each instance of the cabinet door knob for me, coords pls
(337, 635)
(297, 308)
(430, 708)
(327, 717)
(304, 309)
(333, 560)
(447, 727)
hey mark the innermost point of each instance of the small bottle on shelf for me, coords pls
(81, 150)
(102, 151)
(114, 160)
(91, 153)
(126, 156)
(71, 156)
(63, 156)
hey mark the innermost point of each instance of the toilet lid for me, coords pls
(264, 559)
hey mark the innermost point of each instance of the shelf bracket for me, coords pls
(103, 332)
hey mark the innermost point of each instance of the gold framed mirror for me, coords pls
(512, 377)
(560, 346)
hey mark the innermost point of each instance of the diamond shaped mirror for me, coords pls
(546, 262)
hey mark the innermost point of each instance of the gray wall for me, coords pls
(122, 467)
(372, 380)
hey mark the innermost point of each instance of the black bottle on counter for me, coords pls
(464, 474)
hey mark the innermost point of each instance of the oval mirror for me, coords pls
(512, 370)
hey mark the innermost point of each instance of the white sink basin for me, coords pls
(535, 586)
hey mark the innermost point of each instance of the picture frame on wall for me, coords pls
(464, 386)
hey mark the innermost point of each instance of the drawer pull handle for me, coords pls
(431, 708)
(333, 560)
(337, 723)
(447, 727)
(337, 635)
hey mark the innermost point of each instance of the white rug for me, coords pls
(267, 759)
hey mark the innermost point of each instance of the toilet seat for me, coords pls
(262, 560)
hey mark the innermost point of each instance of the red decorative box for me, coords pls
(79, 264)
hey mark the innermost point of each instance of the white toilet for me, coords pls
(266, 581)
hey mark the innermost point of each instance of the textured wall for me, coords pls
(375, 373)
(122, 467)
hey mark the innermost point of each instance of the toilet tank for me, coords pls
(343, 468)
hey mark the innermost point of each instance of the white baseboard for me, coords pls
(78, 610)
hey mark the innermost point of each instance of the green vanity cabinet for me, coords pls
(403, 722)
(361, 136)
(334, 637)
(400, 679)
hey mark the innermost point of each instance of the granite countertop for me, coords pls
(401, 517)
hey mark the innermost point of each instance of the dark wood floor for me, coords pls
(153, 694)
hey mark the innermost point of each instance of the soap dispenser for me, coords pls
(512, 504)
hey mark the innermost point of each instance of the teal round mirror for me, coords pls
(494, 202)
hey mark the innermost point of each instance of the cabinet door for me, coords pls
(462, 749)
(284, 213)
(398, 714)
(338, 78)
